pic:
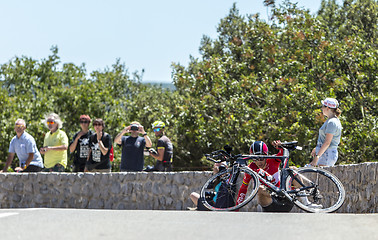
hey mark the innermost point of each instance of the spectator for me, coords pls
(23, 144)
(100, 144)
(55, 145)
(133, 147)
(195, 197)
(164, 153)
(325, 153)
(80, 144)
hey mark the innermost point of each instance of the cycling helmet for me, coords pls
(258, 148)
(158, 124)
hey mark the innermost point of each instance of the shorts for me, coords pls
(78, 167)
(329, 157)
(57, 168)
(200, 206)
(32, 168)
(279, 205)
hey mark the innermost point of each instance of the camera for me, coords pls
(134, 127)
(153, 151)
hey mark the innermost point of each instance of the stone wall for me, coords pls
(155, 190)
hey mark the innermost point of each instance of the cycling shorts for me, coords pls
(279, 205)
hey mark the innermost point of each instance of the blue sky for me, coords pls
(143, 34)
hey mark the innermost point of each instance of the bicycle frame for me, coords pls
(285, 172)
(296, 185)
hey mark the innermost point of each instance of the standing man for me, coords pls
(133, 147)
(23, 144)
(80, 144)
(55, 145)
(164, 153)
(99, 154)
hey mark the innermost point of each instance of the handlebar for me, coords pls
(222, 155)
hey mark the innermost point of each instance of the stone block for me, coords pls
(7, 186)
(130, 176)
(178, 179)
(16, 198)
(77, 188)
(89, 177)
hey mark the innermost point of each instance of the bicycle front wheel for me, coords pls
(316, 190)
(220, 191)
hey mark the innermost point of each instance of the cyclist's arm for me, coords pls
(160, 154)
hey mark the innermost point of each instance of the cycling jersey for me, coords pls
(272, 167)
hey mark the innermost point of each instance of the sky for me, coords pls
(143, 34)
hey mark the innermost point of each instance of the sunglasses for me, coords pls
(156, 129)
(84, 121)
(97, 124)
(19, 126)
(50, 122)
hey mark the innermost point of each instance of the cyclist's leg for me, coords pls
(278, 205)
(263, 197)
(194, 197)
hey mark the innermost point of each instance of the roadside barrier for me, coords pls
(155, 190)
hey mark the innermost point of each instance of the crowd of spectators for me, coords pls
(92, 150)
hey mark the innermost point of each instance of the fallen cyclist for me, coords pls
(269, 202)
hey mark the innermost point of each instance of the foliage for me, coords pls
(32, 89)
(256, 81)
(260, 81)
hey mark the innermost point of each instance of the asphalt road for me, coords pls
(56, 224)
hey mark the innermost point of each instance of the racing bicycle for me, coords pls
(321, 188)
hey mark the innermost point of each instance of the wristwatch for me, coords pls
(145, 134)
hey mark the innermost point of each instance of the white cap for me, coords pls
(330, 102)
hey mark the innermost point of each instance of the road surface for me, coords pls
(56, 224)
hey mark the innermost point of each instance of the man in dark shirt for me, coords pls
(133, 147)
(164, 153)
(100, 144)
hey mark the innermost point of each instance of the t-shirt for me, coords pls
(332, 126)
(22, 147)
(82, 148)
(53, 157)
(97, 159)
(132, 153)
(166, 144)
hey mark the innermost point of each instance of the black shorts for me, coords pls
(279, 205)
(200, 206)
(32, 168)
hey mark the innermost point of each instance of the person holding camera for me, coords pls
(132, 158)
(99, 153)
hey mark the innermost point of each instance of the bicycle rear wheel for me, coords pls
(316, 190)
(224, 186)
